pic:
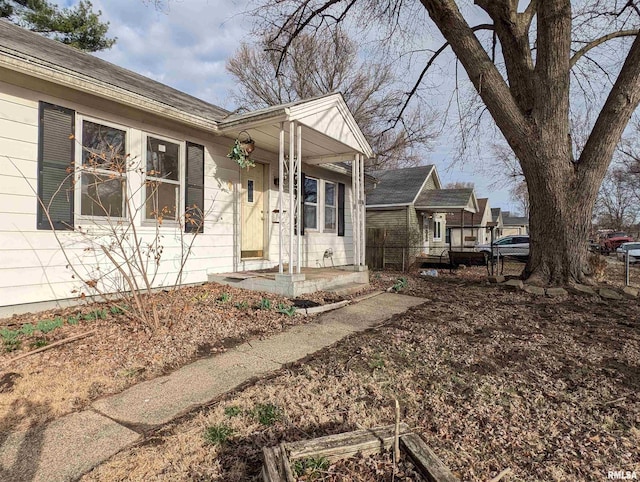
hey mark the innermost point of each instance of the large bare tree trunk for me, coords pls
(559, 223)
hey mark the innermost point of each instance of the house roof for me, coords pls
(23, 45)
(448, 199)
(470, 219)
(329, 131)
(495, 214)
(398, 187)
(508, 220)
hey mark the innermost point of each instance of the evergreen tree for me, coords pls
(79, 27)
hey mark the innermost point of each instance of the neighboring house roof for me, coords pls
(398, 187)
(508, 220)
(448, 200)
(495, 214)
(470, 219)
(24, 45)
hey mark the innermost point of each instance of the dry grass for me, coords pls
(491, 379)
(197, 322)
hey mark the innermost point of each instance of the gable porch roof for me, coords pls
(445, 200)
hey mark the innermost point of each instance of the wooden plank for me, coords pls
(431, 467)
(270, 469)
(345, 445)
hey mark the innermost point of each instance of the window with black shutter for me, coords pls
(194, 196)
(56, 154)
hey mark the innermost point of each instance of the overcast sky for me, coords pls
(186, 46)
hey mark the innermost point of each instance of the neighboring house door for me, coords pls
(252, 212)
(425, 234)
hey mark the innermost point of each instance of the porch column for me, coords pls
(281, 201)
(363, 214)
(462, 228)
(300, 201)
(355, 211)
(292, 200)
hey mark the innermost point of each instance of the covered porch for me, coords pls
(305, 214)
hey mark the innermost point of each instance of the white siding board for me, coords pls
(16, 150)
(12, 112)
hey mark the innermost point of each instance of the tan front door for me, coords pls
(253, 211)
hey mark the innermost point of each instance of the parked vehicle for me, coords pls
(609, 242)
(511, 246)
(629, 249)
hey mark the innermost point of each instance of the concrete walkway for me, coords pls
(74, 444)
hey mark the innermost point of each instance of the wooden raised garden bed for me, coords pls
(278, 459)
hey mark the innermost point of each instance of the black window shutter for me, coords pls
(56, 154)
(194, 197)
(340, 209)
(303, 196)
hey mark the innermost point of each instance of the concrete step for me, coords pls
(347, 288)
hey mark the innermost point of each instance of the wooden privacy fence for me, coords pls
(375, 247)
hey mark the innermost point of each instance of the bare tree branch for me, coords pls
(599, 41)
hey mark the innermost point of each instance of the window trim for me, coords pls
(325, 206)
(437, 229)
(80, 169)
(180, 198)
(317, 204)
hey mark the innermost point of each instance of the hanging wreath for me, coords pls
(241, 150)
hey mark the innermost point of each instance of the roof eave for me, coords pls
(34, 67)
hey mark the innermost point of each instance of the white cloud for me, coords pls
(185, 46)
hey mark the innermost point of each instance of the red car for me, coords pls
(611, 241)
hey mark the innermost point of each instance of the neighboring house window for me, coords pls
(437, 230)
(310, 203)
(330, 210)
(104, 171)
(162, 181)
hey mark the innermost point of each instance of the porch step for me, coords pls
(347, 289)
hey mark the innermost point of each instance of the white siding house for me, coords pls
(59, 107)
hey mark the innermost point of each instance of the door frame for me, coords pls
(266, 188)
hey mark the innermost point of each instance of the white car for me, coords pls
(513, 246)
(630, 249)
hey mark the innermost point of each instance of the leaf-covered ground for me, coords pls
(491, 379)
(196, 321)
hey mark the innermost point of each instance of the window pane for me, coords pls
(330, 194)
(102, 195)
(163, 159)
(329, 218)
(310, 190)
(103, 146)
(310, 217)
(249, 190)
(161, 200)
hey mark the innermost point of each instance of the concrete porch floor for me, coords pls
(336, 279)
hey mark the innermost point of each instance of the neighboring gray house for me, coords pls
(514, 225)
(406, 214)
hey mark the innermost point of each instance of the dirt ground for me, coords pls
(197, 321)
(548, 388)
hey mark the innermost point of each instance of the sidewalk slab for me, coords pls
(329, 328)
(63, 450)
(158, 401)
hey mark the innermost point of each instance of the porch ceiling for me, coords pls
(329, 132)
